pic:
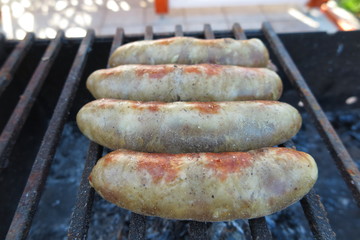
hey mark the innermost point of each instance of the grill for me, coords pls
(50, 95)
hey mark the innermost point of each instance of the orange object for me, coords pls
(315, 3)
(161, 6)
(342, 23)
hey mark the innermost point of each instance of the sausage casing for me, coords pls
(187, 50)
(205, 186)
(181, 127)
(169, 83)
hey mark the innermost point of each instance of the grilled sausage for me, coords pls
(205, 186)
(169, 83)
(187, 50)
(181, 127)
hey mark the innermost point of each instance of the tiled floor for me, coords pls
(74, 16)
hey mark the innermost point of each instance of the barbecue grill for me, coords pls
(42, 86)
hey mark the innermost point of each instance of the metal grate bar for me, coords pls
(208, 32)
(238, 32)
(198, 230)
(343, 160)
(314, 211)
(2, 44)
(316, 215)
(13, 61)
(139, 221)
(137, 228)
(149, 33)
(118, 40)
(17, 120)
(30, 198)
(258, 226)
(179, 31)
(80, 218)
(2, 40)
(259, 229)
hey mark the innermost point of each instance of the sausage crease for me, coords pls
(181, 127)
(205, 186)
(187, 50)
(169, 83)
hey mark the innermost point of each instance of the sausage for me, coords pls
(169, 83)
(187, 50)
(205, 186)
(181, 127)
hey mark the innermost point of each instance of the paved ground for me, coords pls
(74, 16)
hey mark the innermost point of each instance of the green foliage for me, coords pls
(351, 5)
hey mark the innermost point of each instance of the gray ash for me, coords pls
(53, 215)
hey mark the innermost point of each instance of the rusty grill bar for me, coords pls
(13, 61)
(80, 218)
(137, 228)
(79, 224)
(258, 226)
(16, 122)
(178, 31)
(343, 160)
(30, 198)
(316, 214)
(314, 211)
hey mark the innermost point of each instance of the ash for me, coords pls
(111, 222)
(53, 215)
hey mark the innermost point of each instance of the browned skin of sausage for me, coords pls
(187, 50)
(181, 127)
(205, 186)
(169, 83)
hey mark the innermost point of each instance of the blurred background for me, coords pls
(104, 16)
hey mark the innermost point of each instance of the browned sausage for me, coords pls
(205, 186)
(187, 50)
(180, 127)
(168, 83)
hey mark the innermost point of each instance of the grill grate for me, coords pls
(13, 61)
(17, 120)
(21, 223)
(258, 226)
(343, 160)
(30, 198)
(80, 218)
